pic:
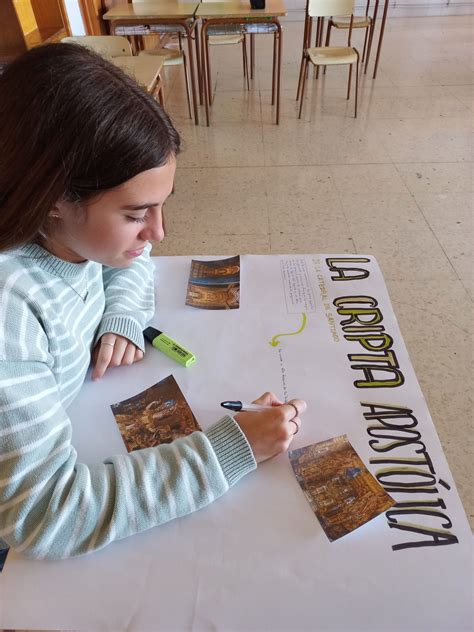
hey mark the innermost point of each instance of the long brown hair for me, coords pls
(71, 125)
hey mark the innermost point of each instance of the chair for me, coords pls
(328, 55)
(223, 34)
(110, 46)
(173, 57)
(366, 22)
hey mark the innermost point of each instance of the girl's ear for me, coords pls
(56, 211)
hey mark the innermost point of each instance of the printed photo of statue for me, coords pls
(213, 296)
(214, 284)
(341, 491)
(160, 414)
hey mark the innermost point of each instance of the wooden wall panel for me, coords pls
(12, 42)
(26, 15)
(48, 14)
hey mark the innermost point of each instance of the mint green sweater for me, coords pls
(52, 313)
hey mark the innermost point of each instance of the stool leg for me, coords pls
(371, 36)
(252, 54)
(300, 77)
(305, 70)
(274, 67)
(365, 43)
(357, 84)
(357, 87)
(319, 38)
(205, 70)
(186, 80)
(191, 72)
(198, 65)
(246, 64)
(306, 44)
(208, 73)
(328, 38)
(280, 44)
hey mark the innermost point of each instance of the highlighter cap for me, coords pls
(150, 333)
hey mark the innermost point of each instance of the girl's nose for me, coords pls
(154, 230)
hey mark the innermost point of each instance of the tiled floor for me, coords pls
(396, 183)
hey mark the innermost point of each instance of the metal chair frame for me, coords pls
(313, 12)
(369, 32)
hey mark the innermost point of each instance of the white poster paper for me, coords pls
(319, 327)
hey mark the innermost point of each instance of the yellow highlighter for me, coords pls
(169, 347)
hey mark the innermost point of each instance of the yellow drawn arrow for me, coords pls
(274, 342)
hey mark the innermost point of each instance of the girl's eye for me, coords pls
(140, 220)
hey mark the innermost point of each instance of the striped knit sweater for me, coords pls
(52, 313)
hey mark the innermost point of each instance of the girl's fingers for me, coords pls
(129, 354)
(104, 352)
(112, 351)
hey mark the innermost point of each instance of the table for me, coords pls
(145, 70)
(165, 13)
(240, 12)
(257, 558)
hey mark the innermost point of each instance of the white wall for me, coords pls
(75, 17)
(398, 8)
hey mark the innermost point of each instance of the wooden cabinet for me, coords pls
(28, 23)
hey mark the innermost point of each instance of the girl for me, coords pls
(87, 161)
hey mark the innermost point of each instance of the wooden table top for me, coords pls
(143, 68)
(152, 10)
(240, 9)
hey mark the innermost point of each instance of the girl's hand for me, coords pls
(113, 350)
(270, 432)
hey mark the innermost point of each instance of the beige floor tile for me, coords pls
(226, 144)
(431, 296)
(407, 255)
(326, 97)
(364, 179)
(301, 199)
(412, 103)
(198, 244)
(235, 106)
(444, 74)
(426, 140)
(452, 73)
(450, 217)
(300, 184)
(317, 141)
(439, 349)
(223, 201)
(392, 228)
(440, 177)
(384, 210)
(288, 78)
(327, 239)
(465, 93)
(234, 81)
(411, 92)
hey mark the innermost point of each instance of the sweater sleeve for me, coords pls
(129, 299)
(52, 506)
